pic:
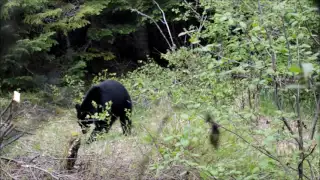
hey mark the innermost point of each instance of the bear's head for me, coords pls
(82, 116)
(82, 112)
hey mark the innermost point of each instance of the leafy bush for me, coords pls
(253, 66)
(248, 67)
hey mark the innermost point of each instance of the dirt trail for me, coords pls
(114, 156)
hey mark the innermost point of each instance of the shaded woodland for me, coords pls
(220, 89)
(43, 41)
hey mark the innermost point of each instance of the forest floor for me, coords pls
(41, 155)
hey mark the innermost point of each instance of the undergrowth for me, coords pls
(182, 149)
(261, 85)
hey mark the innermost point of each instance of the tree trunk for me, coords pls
(141, 42)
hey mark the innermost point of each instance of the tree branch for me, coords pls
(2, 145)
(41, 169)
(166, 23)
(22, 164)
(315, 120)
(163, 35)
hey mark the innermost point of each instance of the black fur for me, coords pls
(106, 91)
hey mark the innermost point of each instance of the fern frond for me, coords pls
(38, 18)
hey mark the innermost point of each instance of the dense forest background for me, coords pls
(42, 41)
(253, 65)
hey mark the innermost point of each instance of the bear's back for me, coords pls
(116, 92)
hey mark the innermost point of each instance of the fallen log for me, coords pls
(72, 154)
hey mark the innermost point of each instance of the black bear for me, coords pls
(109, 90)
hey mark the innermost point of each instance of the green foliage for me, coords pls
(96, 54)
(97, 34)
(262, 46)
(15, 60)
(72, 92)
(251, 64)
(41, 43)
(42, 24)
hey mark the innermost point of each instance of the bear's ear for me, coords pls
(77, 107)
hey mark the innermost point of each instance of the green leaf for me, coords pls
(254, 39)
(169, 138)
(210, 66)
(194, 40)
(256, 28)
(223, 18)
(294, 23)
(195, 139)
(243, 25)
(270, 71)
(295, 69)
(252, 86)
(184, 142)
(197, 105)
(282, 39)
(305, 46)
(308, 53)
(255, 24)
(207, 48)
(255, 170)
(300, 36)
(184, 116)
